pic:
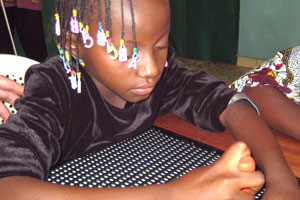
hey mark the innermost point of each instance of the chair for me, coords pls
(14, 67)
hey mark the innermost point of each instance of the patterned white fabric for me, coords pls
(282, 72)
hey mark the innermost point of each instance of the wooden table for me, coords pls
(290, 147)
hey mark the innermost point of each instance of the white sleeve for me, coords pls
(242, 96)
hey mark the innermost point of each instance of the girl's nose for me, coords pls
(147, 66)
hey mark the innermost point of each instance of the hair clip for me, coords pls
(78, 82)
(57, 25)
(101, 38)
(60, 50)
(108, 42)
(114, 51)
(74, 22)
(81, 62)
(110, 47)
(64, 57)
(122, 51)
(135, 57)
(88, 41)
(66, 61)
(73, 80)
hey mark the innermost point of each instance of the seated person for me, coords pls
(275, 87)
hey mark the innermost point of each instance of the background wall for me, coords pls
(205, 29)
(267, 26)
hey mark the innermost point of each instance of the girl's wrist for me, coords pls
(282, 180)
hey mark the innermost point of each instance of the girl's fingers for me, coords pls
(12, 97)
(10, 90)
(9, 85)
(17, 89)
(8, 96)
(4, 113)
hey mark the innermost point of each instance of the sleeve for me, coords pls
(29, 140)
(195, 96)
(242, 97)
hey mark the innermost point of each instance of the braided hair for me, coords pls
(72, 18)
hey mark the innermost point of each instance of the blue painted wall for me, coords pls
(267, 26)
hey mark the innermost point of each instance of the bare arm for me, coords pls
(24, 188)
(244, 124)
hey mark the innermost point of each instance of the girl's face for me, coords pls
(116, 82)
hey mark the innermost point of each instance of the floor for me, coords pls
(227, 72)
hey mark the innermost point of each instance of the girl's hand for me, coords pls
(221, 180)
(9, 91)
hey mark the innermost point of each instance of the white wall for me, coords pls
(267, 26)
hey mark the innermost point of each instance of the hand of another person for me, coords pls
(247, 164)
(221, 180)
(9, 91)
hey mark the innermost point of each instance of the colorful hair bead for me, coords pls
(66, 60)
(122, 48)
(60, 50)
(135, 57)
(73, 80)
(122, 51)
(81, 62)
(166, 64)
(101, 38)
(108, 42)
(88, 41)
(74, 24)
(114, 51)
(57, 25)
(78, 82)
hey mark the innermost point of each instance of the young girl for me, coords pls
(95, 94)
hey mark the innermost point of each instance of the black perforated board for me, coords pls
(152, 157)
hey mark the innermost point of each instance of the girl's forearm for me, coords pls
(15, 188)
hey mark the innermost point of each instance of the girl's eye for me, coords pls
(162, 47)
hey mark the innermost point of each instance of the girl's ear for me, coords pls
(71, 44)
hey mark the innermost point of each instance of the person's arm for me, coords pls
(9, 91)
(20, 187)
(245, 124)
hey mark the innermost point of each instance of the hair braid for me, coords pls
(72, 18)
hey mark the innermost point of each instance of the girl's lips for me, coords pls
(142, 91)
